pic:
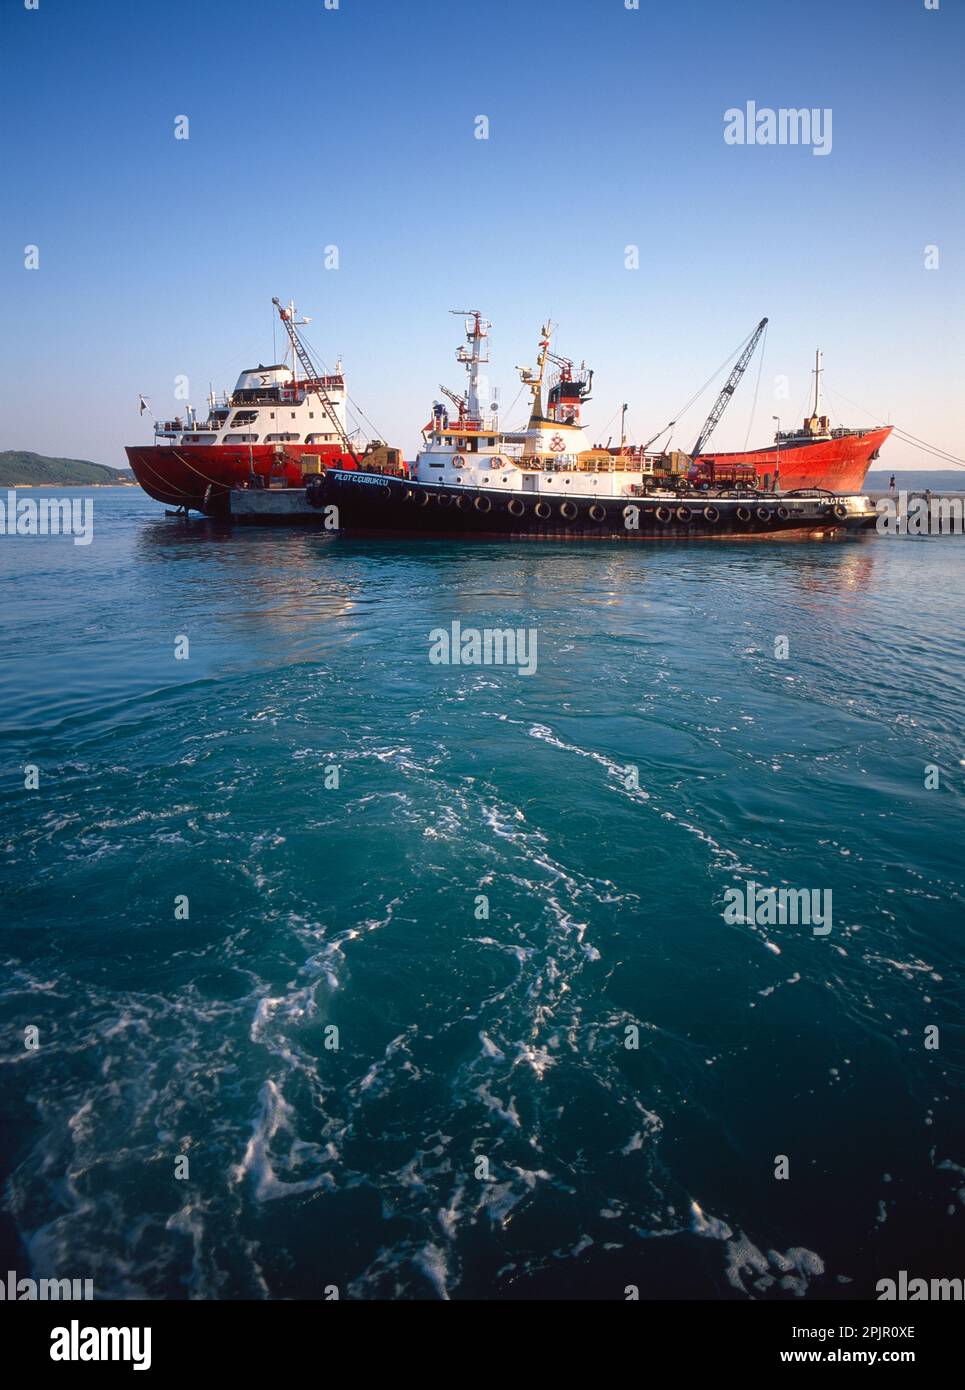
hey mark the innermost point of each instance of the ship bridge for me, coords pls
(271, 384)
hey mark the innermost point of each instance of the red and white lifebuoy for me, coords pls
(459, 461)
(557, 444)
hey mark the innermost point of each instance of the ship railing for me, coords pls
(572, 463)
(187, 426)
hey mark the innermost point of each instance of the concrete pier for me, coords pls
(273, 504)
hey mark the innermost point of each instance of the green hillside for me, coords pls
(19, 466)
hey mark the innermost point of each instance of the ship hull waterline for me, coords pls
(358, 504)
(202, 476)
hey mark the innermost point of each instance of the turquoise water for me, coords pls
(481, 1128)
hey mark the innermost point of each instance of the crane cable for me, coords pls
(757, 387)
(904, 435)
(700, 390)
(359, 412)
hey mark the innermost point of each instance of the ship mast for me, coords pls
(296, 323)
(817, 382)
(534, 379)
(477, 328)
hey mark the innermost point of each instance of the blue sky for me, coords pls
(355, 127)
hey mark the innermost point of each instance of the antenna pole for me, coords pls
(291, 313)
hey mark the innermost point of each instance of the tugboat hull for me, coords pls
(367, 504)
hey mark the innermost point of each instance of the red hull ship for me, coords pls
(838, 461)
(276, 428)
(815, 456)
(188, 473)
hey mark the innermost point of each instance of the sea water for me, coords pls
(329, 969)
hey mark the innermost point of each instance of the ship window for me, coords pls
(293, 414)
(281, 438)
(311, 415)
(272, 415)
(241, 439)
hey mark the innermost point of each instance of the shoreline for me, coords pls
(121, 483)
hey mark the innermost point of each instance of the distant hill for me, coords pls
(17, 466)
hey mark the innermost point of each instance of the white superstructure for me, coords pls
(551, 455)
(269, 405)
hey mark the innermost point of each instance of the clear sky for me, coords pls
(354, 127)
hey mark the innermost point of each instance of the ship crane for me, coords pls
(458, 401)
(313, 380)
(729, 387)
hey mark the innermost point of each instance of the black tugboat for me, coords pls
(370, 504)
(473, 480)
